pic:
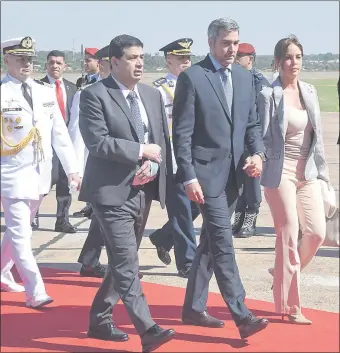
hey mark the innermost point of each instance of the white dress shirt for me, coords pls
(63, 88)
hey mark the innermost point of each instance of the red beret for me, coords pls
(245, 48)
(91, 51)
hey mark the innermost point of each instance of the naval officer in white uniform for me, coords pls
(31, 123)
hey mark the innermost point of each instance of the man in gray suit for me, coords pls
(214, 113)
(123, 124)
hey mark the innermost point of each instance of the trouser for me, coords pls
(16, 244)
(123, 229)
(251, 198)
(92, 248)
(215, 254)
(295, 204)
(63, 196)
(179, 231)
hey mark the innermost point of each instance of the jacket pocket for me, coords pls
(271, 154)
(202, 153)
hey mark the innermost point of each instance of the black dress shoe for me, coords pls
(98, 271)
(85, 212)
(238, 222)
(184, 272)
(35, 223)
(140, 275)
(154, 337)
(107, 332)
(201, 319)
(251, 325)
(65, 228)
(163, 255)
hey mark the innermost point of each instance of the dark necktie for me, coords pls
(228, 90)
(24, 89)
(136, 116)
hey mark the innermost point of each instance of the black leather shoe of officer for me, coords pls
(154, 337)
(35, 223)
(85, 212)
(108, 332)
(201, 319)
(88, 271)
(65, 228)
(251, 325)
(162, 253)
(184, 272)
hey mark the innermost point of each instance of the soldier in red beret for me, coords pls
(248, 204)
(91, 68)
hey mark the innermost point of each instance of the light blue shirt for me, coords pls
(218, 66)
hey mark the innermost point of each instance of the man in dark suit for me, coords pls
(65, 90)
(214, 113)
(124, 128)
(91, 68)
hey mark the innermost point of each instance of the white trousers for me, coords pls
(16, 244)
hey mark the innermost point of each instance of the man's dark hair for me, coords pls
(56, 53)
(119, 43)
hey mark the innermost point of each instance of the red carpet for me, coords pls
(62, 326)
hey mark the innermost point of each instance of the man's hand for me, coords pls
(74, 177)
(152, 152)
(253, 166)
(194, 192)
(143, 174)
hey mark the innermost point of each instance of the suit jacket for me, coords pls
(71, 90)
(207, 139)
(20, 177)
(109, 134)
(274, 128)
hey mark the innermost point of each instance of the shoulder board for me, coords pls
(43, 83)
(159, 82)
(257, 76)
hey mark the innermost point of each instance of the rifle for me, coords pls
(82, 66)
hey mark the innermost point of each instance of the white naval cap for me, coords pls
(23, 46)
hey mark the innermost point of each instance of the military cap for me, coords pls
(178, 47)
(245, 49)
(103, 54)
(23, 46)
(91, 51)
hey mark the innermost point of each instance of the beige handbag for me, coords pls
(331, 214)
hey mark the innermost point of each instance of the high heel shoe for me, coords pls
(297, 319)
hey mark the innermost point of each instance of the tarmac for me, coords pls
(319, 281)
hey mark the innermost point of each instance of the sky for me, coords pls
(62, 24)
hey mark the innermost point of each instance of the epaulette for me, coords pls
(159, 82)
(257, 76)
(43, 83)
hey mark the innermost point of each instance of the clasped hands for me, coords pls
(148, 171)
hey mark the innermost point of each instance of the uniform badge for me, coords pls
(9, 128)
(5, 120)
(48, 104)
(171, 83)
(18, 120)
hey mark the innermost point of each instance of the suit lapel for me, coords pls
(279, 106)
(117, 95)
(149, 111)
(215, 80)
(309, 104)
(69, 97)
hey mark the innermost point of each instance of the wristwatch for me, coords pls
(262, 156)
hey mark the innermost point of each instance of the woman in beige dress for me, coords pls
(291, 126)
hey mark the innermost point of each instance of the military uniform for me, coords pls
(88, 78)
(249, 202)
(31, 123)
(179, 231)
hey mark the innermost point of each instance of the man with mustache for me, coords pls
(65, 91)
(179, 231)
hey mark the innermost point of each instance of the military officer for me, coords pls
(179, 230)
(248, 204)
(91, 68)
(31, 123)
(90, 253)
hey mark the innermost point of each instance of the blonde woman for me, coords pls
(291, 127)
